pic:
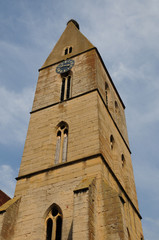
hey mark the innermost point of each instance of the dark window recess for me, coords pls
(49, 229)
(62, 127)
(54, 212)
(58, 228)
(68, 87)
(66, 131)
(111, 139)
(66, 51)
(59, 134)
(63, 89)
(122, 159)
(70, 49)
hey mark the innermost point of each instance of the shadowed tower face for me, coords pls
(76, 178)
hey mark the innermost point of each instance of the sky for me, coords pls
(126, 34)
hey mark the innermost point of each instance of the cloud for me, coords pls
(151, 226)
(14, 115)
(7, 179)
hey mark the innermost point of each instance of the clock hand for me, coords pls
(64, 66)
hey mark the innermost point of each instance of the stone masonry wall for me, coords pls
(122, 170)
(83, 139)
(8, 221)
(100, 207)
(48, 88)
(117, 114)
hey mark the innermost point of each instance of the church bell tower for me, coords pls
(76, 178)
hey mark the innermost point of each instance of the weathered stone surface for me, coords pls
(95, 188)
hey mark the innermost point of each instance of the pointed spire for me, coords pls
(72, 42)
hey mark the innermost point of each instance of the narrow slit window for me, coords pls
(49, 229)
(111, 141)
(61, 144)
(70, 49)
(65, 140)
(58, 228)
(116, 107)
(66, 51)
(63, 89)
(122, 159)
(58, 146)
(66, 88)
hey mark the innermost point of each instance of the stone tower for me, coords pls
(76, 178)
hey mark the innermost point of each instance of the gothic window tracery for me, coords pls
(61, 143)
(54, 224)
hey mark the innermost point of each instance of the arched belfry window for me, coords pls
(61, 143)
(70, 49)
(67, 50)
(54, 224)
(66, 88)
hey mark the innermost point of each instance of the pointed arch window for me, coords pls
(66, 88)
(54, 224)
(61, 143)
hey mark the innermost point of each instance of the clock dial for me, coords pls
(65, 66)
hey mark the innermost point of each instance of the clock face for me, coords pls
(65, 66)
